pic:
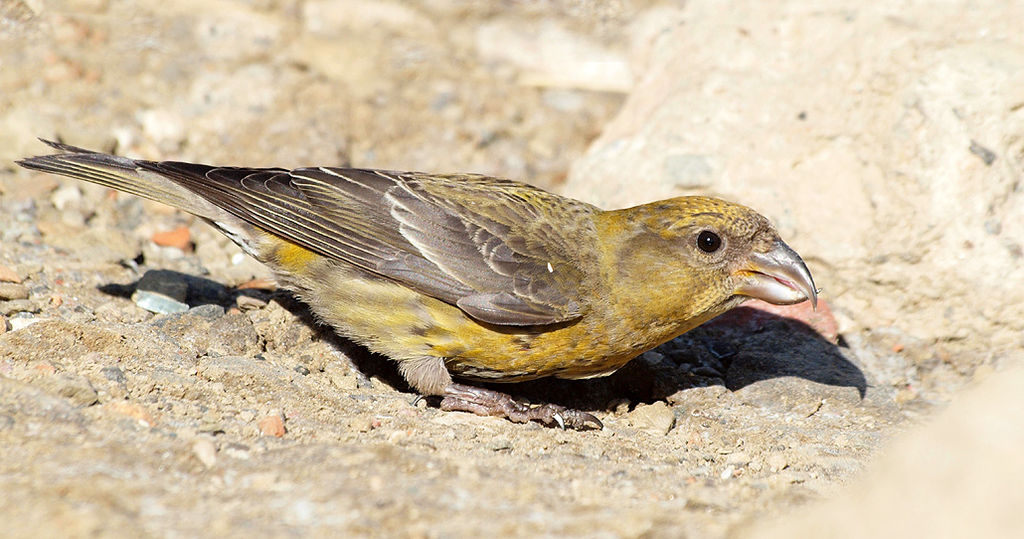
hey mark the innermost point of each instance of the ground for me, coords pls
(242, 416)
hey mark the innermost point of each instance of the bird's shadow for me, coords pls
(726, 351)
(739, 348)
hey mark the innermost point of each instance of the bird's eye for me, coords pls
(708, 241)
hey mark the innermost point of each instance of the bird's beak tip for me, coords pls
(778, 276)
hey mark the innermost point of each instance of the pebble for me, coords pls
(340, 376)
(132, 410)
(66, 197)
(114, 374)
(162, 291)
(656, 418)
(76, 389)
(9, 308)
(237, 451)
(22, 322)
(259, 284)
(249, 303)
(776, 462)
(272, 425)
(205, 452)
(8, 275)
(158, 303)
(738, 459)
(12, 291)
(179, 238)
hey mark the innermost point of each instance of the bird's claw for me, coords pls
(458, 397)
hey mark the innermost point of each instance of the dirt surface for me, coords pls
(240, 416)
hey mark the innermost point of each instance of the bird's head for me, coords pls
(710, 254)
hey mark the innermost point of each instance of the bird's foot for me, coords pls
(480, 401)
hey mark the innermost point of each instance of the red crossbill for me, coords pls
(474, 277)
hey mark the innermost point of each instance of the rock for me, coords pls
(769, 130)
(656, 418)
(776, 462)
(156, 302)
(207, 330)
(12, 291)
(272, 425)
(132, 410)
(179, 238)
(14, 306)
(8, 275)
(794, 395)
(76, 389)
(956, 476)
(205, 452)
(20, 322)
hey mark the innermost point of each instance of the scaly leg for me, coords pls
(480, 401)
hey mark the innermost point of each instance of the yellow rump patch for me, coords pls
(292, 257)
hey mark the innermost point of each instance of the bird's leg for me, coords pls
(480, 401)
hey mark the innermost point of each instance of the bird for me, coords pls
(466, 278)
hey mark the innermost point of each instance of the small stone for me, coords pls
(66, 197)
(259, 284)
(8, 275)
(205, 452)
(132, 410)
(272, 425)
(237, 451)
(652, 357)
(22, 322)
(76, 389)
(179, 238)
(9, 308)
(776, 462)
(340, 376)
(158, 303)
(499, 444)
(656, 418)
(211, 422)
(12, 291)
(208, 311)
(738, 459)
(728, 472)
(249, 303)
(162, 291)
(114, 374)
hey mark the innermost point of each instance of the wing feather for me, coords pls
(504, 252)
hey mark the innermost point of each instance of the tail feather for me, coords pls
(122, 174)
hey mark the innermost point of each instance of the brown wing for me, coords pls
(490, 246)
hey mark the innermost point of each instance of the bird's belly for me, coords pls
(403, 324)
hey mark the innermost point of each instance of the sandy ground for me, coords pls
(240, 416)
